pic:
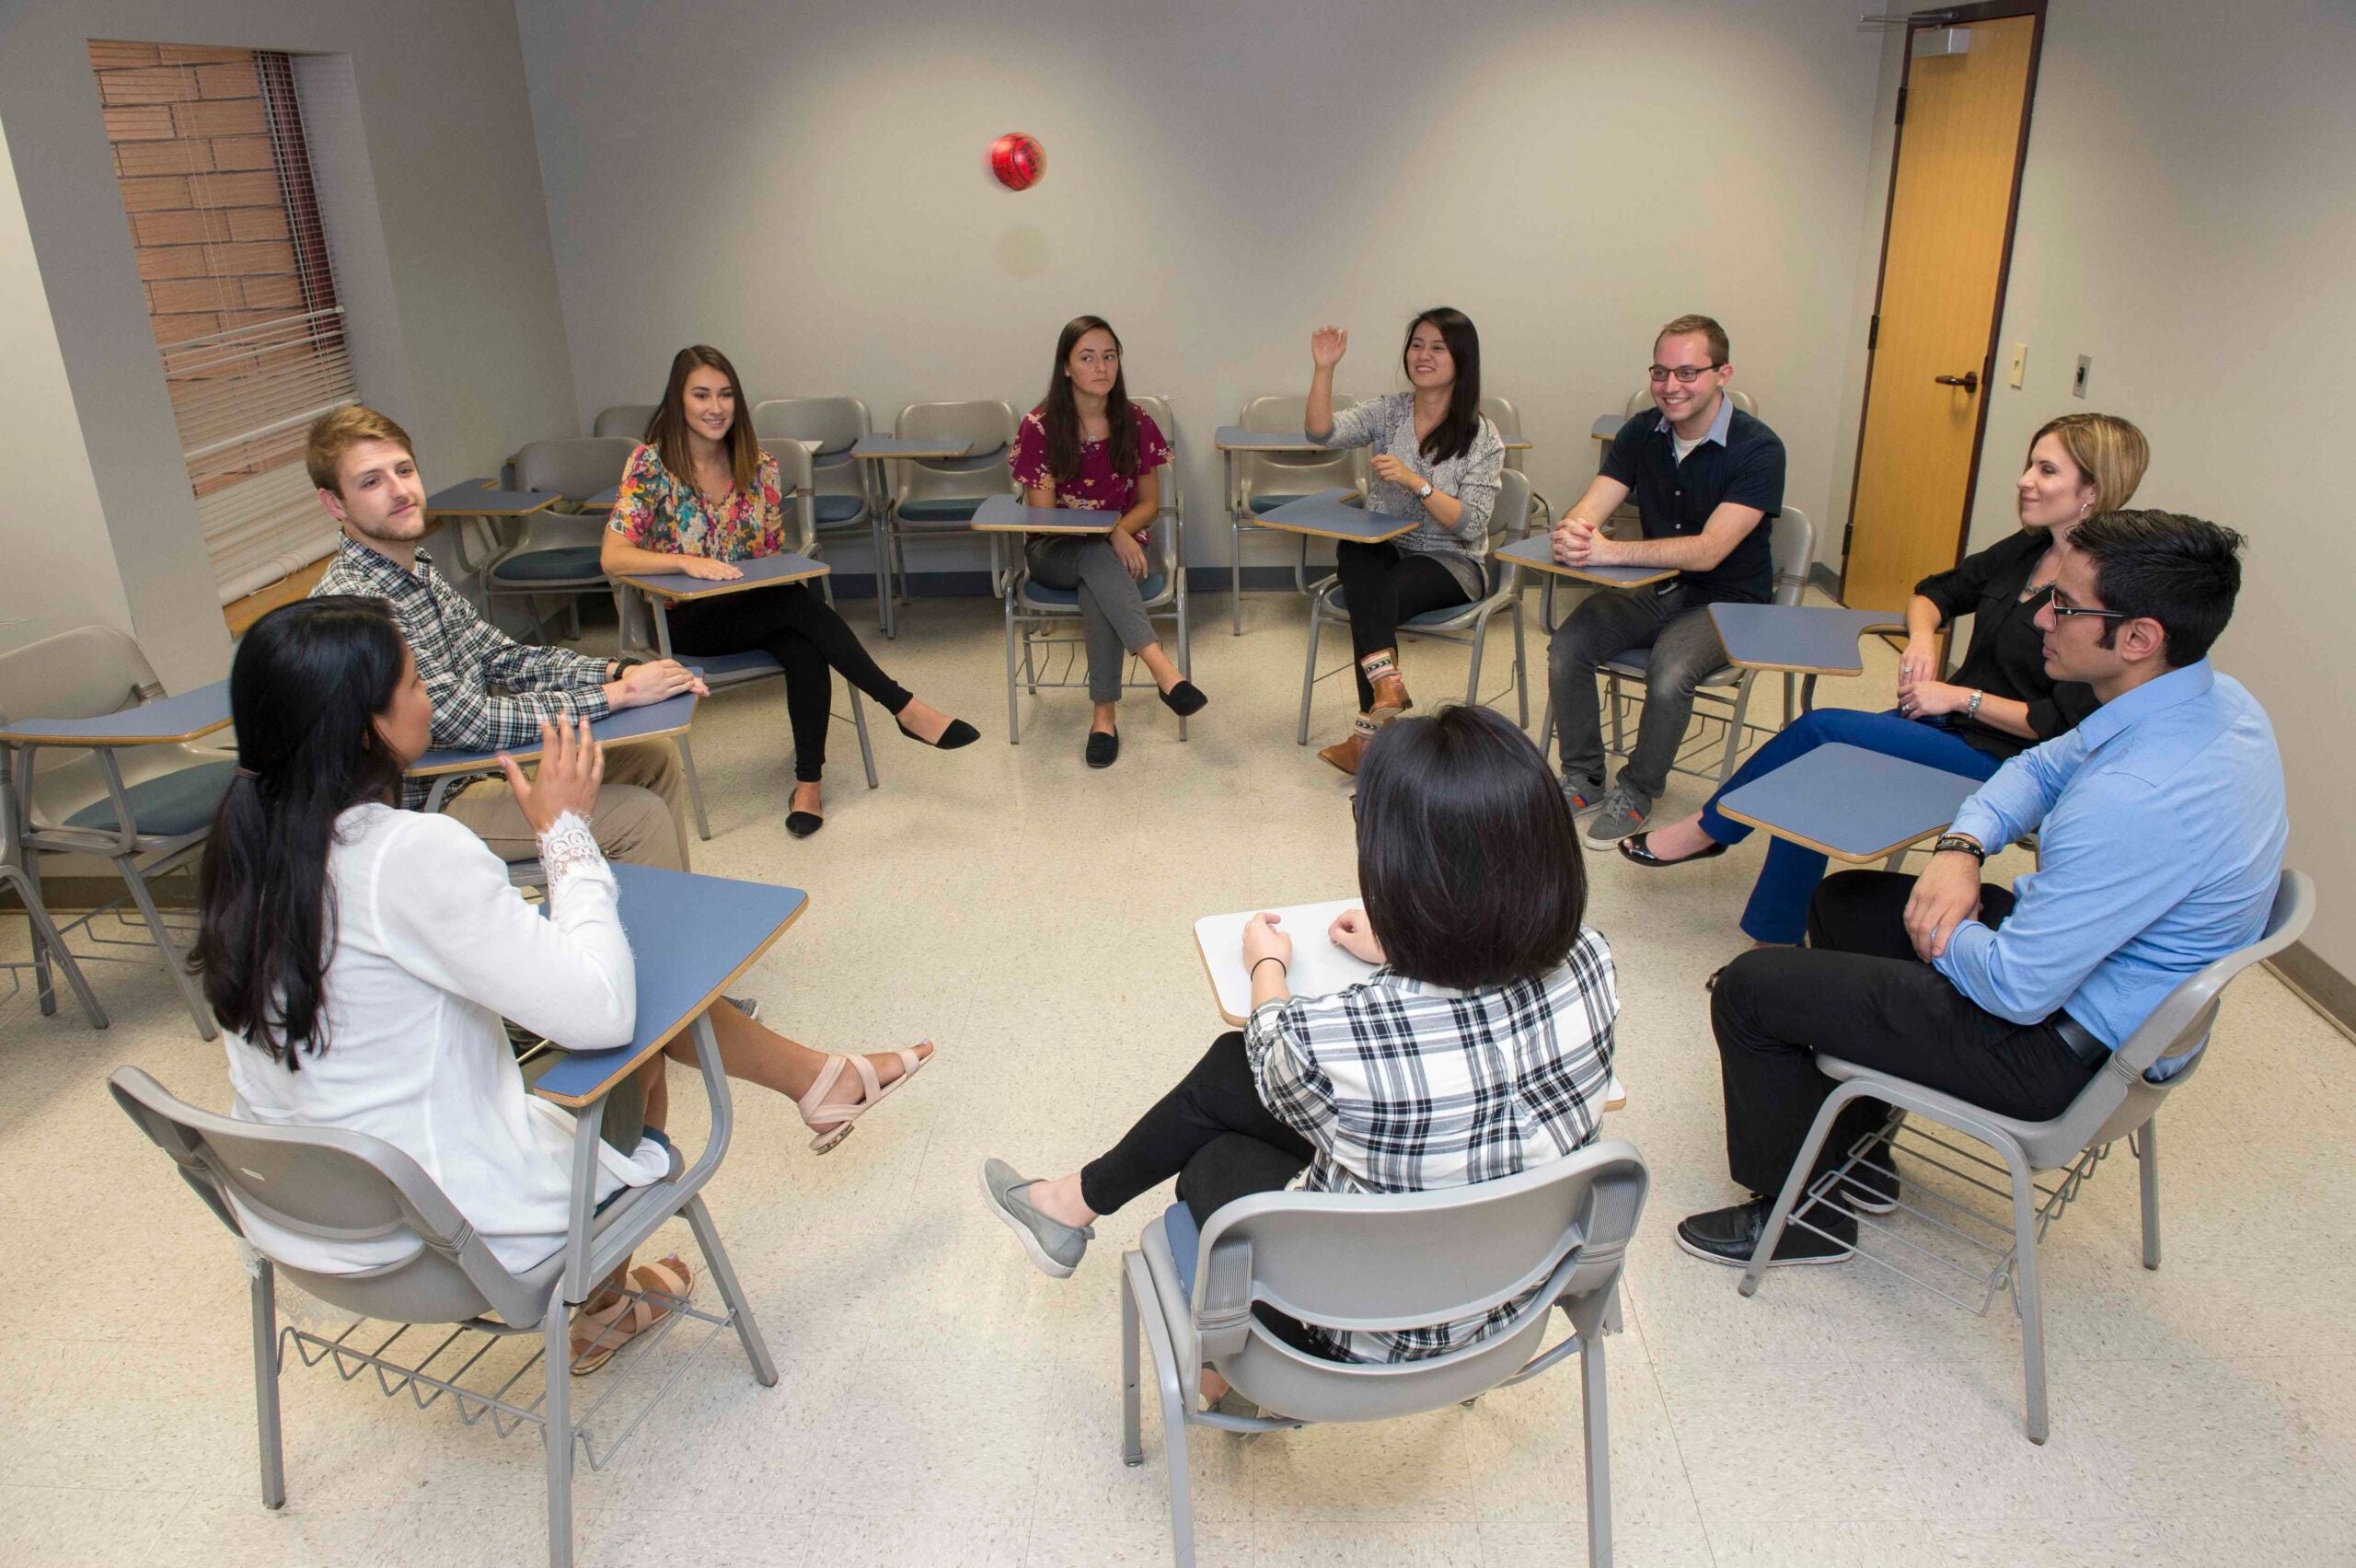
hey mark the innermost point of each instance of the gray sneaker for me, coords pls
(1584, 795)
(1053, 1245)
(749, 1006)
(1618, 814)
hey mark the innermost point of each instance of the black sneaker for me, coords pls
(1730, 1235)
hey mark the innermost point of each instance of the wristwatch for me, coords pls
(1424, 493)
(624, 664)
(1971, 709)
(1957, 841)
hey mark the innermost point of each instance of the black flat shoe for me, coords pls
(959, 733)
(1730, 1235)
(802, 824)
(1634, 847)
(1103, 749)
(1186, 699)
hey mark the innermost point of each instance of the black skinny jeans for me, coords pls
(1858, 992)
(1382, 585)
(793, 626)
(1214, 1133)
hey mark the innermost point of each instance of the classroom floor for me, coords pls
(940, 1402)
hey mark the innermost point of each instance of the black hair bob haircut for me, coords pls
(1468, 862)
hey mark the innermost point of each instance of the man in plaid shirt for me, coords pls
(490, 691)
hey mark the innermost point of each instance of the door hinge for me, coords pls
(1901, 107)
(1873, 334)
(1848, 536)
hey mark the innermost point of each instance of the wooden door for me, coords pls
(1963, 127)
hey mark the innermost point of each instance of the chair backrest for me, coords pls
(1792, 545)
(1509, 518)
(87, 672)
(985, 470)
(2120, 1099)
(1405, 1259)
(576, 468)
(1169, 530)
(1501, 413)
(336, 1186)
(1293, 473)
(796, 478)
(628, 420)
(1642, 398)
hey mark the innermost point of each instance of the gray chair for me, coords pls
(1032, 607)
(2118, 1103)
(336, 1185)
(1501, 413)
(628, 420)
(147, 809)
(1792, 547)
(1262, 481)
(841, 495)
(556, 551)
(1391, 1261)
(1509, 521)
(48, 946)
(647, 633)
(940, 495)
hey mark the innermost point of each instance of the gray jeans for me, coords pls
(1611, 621)
(1112, 610)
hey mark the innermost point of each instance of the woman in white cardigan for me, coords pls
(360, 959)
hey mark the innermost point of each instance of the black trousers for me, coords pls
(1213, 1133)
(793, 626)
(1382, 585)
(1858, 992)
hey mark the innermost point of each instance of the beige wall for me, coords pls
(2188, 218)
(804, 187)
(436, 103)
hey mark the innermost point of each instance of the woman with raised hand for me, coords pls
(360, 959)
(1492, 1000)
(699, 496)
(2000, 700)
(1088, 448)
(1437, 460)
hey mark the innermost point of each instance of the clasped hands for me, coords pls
(1578, 542)
(1920, 697)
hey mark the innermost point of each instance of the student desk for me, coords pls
(1537, 555)
(1850, 803)
(1006, 515)
(1319, 967)
(447, 768)
(1324, 516)
(1803, 639)
(1230, 440)
(167, 720)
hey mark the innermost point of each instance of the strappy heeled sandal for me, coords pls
(833, 1123)
(614, 1325)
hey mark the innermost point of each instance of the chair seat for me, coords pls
(166, 806)
(1039, 594)
(566, 563)
(1260, 504)
(1426, 618)
(833, 510)
(1634, 662)
(730, 669)
(943, 509)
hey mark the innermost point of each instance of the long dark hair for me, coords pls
(1452, 437)
(1467, 859)
(309, 680)
(1063, 410)
(667, 430)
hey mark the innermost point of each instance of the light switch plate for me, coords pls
(2020, 364)
(2078, 382)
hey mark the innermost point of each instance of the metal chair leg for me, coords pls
(1794, 1184)
(1235, 574)
(1594, 1407)
(185, 982)
(2147, 1160)
(723, 1276)
(1734, 726)
(695, 785)
(2025, 1291)
(556, 1433)
(1013, 733)
(1520, 663)
(1132, 1400)
(266, 1426)
(48, 945)
(1308, 675)
(858, 723)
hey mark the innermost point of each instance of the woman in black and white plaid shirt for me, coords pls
(1481, 1046)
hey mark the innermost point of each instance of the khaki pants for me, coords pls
(640, 815)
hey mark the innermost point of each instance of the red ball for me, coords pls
(1018, 161)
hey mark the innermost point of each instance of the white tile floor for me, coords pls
(941, 1402)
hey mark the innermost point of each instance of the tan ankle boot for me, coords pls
(1344, 752)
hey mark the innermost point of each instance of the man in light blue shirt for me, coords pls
(2161, 829)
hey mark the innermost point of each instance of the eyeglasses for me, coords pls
(2064, 608)
(1686, 374)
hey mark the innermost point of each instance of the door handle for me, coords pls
(1969, 380)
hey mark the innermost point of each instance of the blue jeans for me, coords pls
(1778, 908)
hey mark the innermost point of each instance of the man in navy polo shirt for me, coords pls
(1707, 476)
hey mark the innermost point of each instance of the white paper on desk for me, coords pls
(1319, 968)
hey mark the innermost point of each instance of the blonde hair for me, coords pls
(338, 431)
(2107, 450)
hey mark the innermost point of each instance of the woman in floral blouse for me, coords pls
(700, 495)
(1436, 460)
(1086, 447)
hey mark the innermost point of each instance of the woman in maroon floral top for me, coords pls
(1089, 448)
(701, 494)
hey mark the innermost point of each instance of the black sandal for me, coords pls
(1634, 847)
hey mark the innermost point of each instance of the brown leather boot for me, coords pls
(1344, 752)
(1391, 698)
